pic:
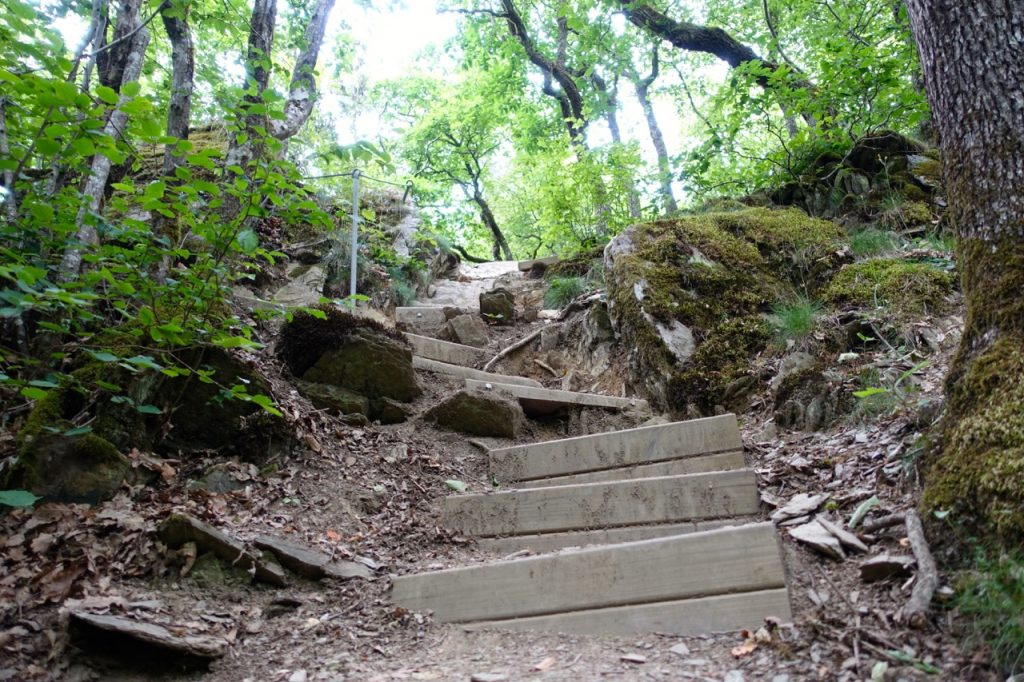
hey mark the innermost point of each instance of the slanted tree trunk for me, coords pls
(136, 38)
(302, 91)
(974, 76)
(643, 95)
(501, 247)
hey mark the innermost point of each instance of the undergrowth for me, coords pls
(562, 290)
(991, 600)
(872, 242)
(793, 320)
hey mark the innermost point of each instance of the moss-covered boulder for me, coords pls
(479, 413)
(58, 468)
(688, 297)
(904, 288)
(498, 306)
(334, 398)
(355, 353)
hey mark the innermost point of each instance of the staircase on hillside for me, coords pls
(639, 530)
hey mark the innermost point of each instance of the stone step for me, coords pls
(722, 461)
(527, 265)
(542, 401)
(686, 584)
(644, 445)
(470, 373)
(666, 499)
(552, 542)
(445, 351)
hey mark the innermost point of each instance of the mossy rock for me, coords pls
(689, 297)
(369, 363)
(308, 336)
(335, 398)
(478, 413)
(59, 468)
(388, 411)
(906, 288)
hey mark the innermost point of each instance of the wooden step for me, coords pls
(685, 617)
(665, 499)
(527, 265)
(644, 445)
(420, 318)
(639, 575)
(444, 351)
(542, 401)
(469, 372)
(722, 461)
(552, 542)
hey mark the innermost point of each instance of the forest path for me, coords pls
(650, 529)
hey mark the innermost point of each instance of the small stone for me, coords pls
(488, 677)
(815, 536)
(633, 658)
(781, 678)
(178, 529)
(799, 505)
(298, 676)
(680, 650)
(308, 562)
(844, 536)
(733, 676)
(885, 566)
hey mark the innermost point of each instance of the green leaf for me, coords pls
(266, 403)
(78, 431)
(248, 241)
(148, 409)
(131, 89)
(108, 95)
(144, 361)
(456, 485)
(33, 393)
(862, 509)
(17, 498)
(146, 316)
(84, 146)
(868, 392)
(103, 356)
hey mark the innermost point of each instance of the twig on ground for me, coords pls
(915, 612)
(548, 367)
(516, 346)
(882, 523)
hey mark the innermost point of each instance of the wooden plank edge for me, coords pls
(641, 470)
(703, 615)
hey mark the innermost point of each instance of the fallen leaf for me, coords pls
(546, 664)
(333, 535)
(748, 647)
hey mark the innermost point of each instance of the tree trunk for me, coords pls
(611, 115)
(8, 197)
(501, 246)
(113, 61)
(668, 197)
(183, 66)
(96, 180)
(302, 91)
(257, 76)
(974, 76)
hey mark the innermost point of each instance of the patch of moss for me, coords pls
(84, 468)
(905, 287)
(979, 471)
(716, 274)
(908, 214)
(307, 337)
(576, 266)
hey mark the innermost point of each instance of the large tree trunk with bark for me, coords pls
(974, 75)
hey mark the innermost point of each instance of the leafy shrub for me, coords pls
(562, 290)
(795, 319)
(991, 598)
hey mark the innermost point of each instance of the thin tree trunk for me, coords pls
(9, 198)
(183, 66)
(611, 116)
(668, 196)
(96, 180)
(501, 246)
(302, 91)
(974, 76)
(257, 76)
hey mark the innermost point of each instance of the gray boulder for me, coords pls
(479, 413)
